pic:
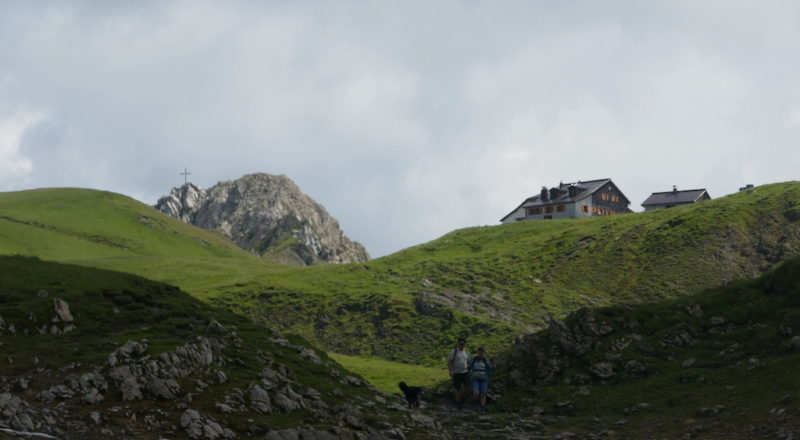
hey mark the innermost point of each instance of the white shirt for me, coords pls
(460, 360)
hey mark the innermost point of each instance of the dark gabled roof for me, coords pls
(674, 197)
(588, 188)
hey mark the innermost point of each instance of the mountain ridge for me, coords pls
(265, 215)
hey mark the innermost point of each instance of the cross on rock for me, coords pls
(185, 173)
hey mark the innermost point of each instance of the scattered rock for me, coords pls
(162, 389)
(126, 351)
(710, 412)
(62, 311)
(694, 310)
(130, 389)
(602, 370)
(259, 400)
(425, 421)
(717, 320)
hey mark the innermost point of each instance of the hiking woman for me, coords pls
(480, 367)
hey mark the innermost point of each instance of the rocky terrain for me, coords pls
(97, 354)
(718, 364)
(266, 215)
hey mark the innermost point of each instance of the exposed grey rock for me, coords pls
(288, 400)
(22, 383)
(284, 434)
(42, 293)
(259, 211)
(309, 434)
(62, 310)
(259, 400)
(95, 417)
(197, 426)
(216, 328)
(795, 342)
(18, 414)
(635, 367)
(84, 383)
(221, 377)
(162, 389)
(602, 370)
(130, 389)
(92, 397)
(574, 342)
(425, 421)
(694, 310)
(309, 354)
(710, 412)
(192, 423)
(717, 320)
(126, 351)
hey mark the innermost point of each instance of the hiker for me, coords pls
(457, 365)
(479, 369)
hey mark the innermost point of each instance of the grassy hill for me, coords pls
(718, 364)
(181, 354)
(489, 283)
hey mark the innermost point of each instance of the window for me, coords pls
(561, 208)
(548, 217)
(535, 211)
(548, 209)
(615, 198)
(584, 208)
(603, 196)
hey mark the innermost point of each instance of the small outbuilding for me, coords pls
(670, 199)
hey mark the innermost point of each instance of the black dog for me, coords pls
(413, 394)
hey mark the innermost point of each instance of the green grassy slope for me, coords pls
(78, 224)
(490, 283)
(722, 362)
(493, 282)
(110, 308)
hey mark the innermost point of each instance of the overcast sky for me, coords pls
(407, 119)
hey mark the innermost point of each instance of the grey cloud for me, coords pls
(406, 120)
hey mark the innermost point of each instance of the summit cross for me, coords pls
(185, 173)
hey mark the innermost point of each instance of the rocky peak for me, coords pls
(266, 215)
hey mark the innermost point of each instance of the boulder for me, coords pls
(259, 400)
(192, 423)
(162, 389)
(126, 351)
(92, 397)
(62, 311)
(602, 370)
(130, 389)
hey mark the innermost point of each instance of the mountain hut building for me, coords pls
(670, 199)
(572, 200)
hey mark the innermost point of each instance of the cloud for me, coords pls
(405, 121)
(14, 164)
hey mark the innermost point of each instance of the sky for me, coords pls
(406, 120)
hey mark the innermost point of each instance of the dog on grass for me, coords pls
(413, 394)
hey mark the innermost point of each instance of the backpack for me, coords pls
(486, 361)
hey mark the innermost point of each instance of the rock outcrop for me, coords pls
(265, 214)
